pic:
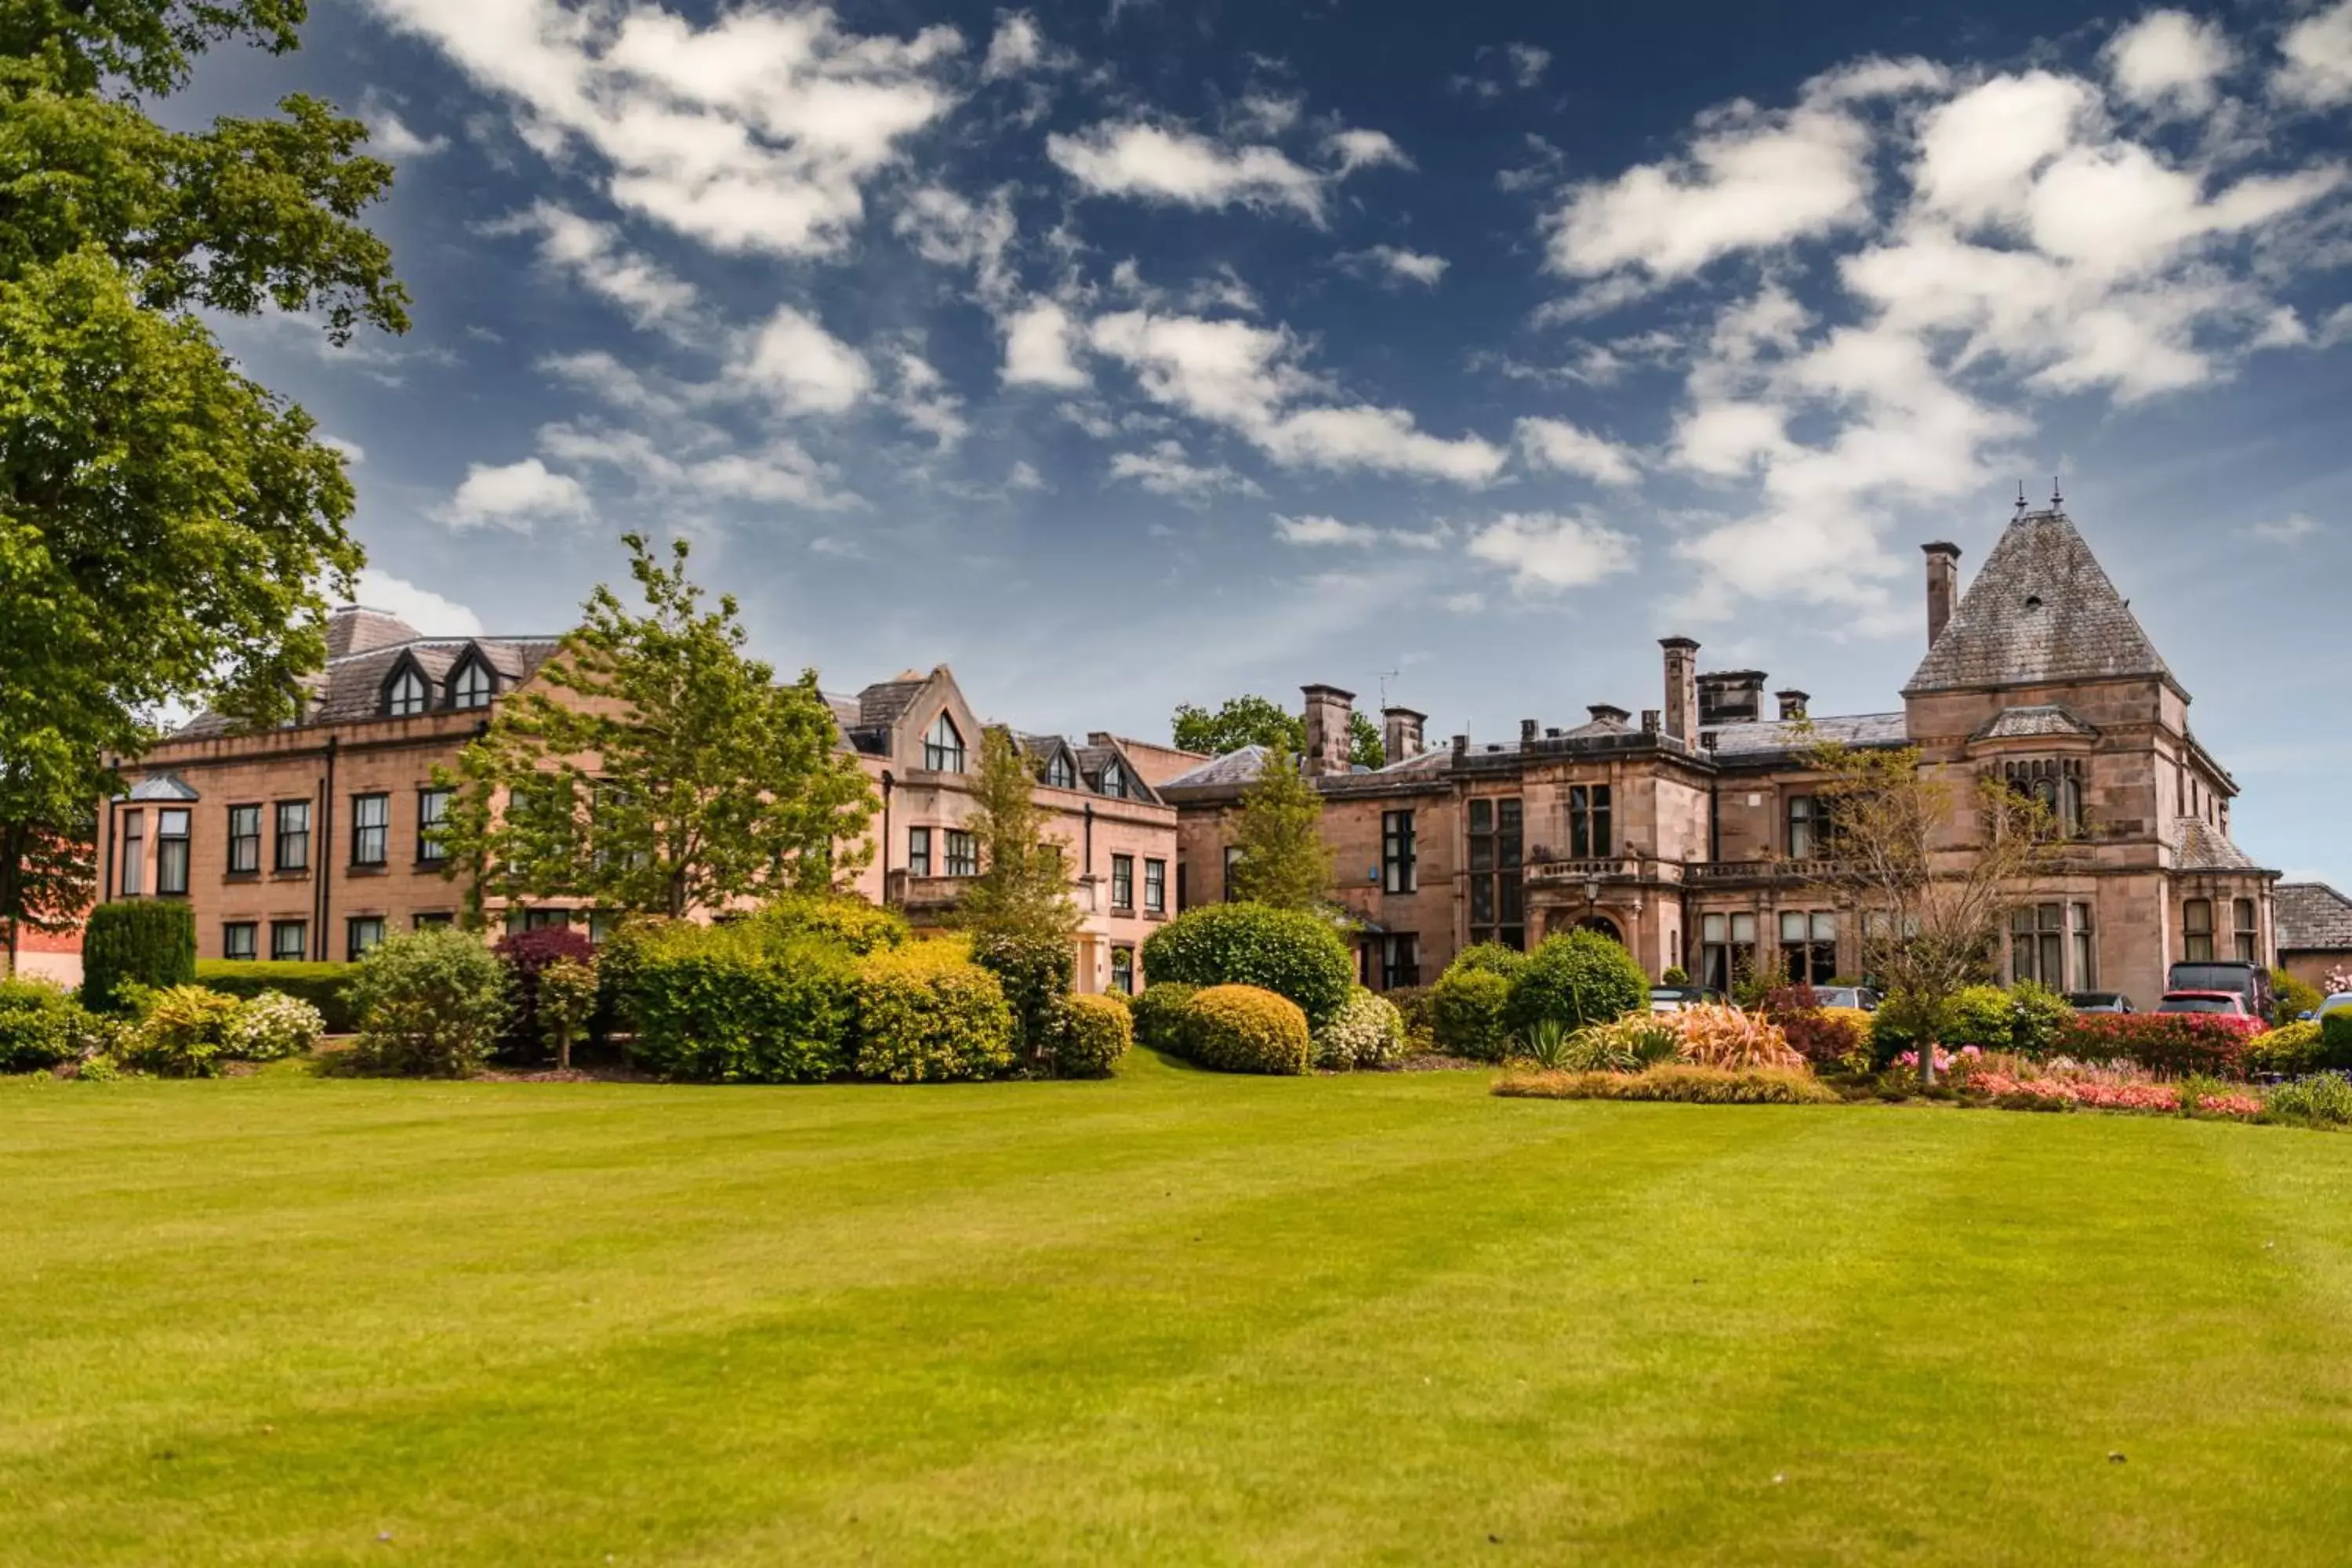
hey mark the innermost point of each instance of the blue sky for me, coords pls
(1120, 354)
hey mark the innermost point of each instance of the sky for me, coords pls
(1128, 353)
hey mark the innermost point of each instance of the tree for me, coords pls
(661, 771)
(1023, 882)
(1932, 867)
(1261, 722)
(48, 872)
(169, 528)
(1283, 859)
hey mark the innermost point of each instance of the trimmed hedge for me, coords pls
(1096, 1032)
(724, 1004)
(837, 918)
(1246, 1028)
(1290, 952)
(2161, 1042)
(927, 1013)
(1687, 1085)
(1160, 1015)
(141, 942)
(36, 1026)
(325, 986)
(1576, 978)
(1467, 1012)
(2335, 1035)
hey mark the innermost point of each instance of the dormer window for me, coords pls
(943, 747)
(1114, 780)
(406, 694)
(472, 686)
(1061, 773)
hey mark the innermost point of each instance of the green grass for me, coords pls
(1170, 1318)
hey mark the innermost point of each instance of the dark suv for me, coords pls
(2250, 981)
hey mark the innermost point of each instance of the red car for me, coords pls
(2220, 1003)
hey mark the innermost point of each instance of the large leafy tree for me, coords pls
(48, 869)
(169, 528)
(1024, 886)
(1250, 721)
(1283, 861)
(655, 768)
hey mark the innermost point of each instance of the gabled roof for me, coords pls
(880, 704)
(2199, 845)
(2313, 917)
(170, 789)
(1236, 767)
(351, 688)
(2041, 611)
(2033, 722)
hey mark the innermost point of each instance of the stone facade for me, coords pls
(1690, 835)
(309, 842)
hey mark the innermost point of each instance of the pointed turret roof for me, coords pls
(2042, 611)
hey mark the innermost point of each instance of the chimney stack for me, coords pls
(1943, 585)
(1461, 746)
(1327, 708)
(1401, 733)
(1606, 713)
(1681, 689)
(1792, 703)
(1528, 730)
(1650, 722)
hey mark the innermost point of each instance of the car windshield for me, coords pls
(2196, 1005)
(2212, 977)
(2094, 999)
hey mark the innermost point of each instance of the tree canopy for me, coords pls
(657, 769)
(1250, 721)
(1023, 887)
(1284, 861)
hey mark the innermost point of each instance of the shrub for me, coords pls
(1366, 1032)
(1828, 1038)
(1159, 1017)
(1035, 969)
(1689, 1085)
(1715, 1035)
(927, 1013)
(325, 986)
(431, 1003)
(721, 1004)
(1629, 1043)
(2336, 1037)
(1290, 952)
(185, 1032)
(2291, 1050)
(2163, 1042)
(141, 942)
(1491, 957)
(1579, 977)
(1095, 1033)
(1675, 974)
(836, 918)
(617, 964)
(1467, 1014)
(567, 998)
(525, 954)
(1412, 1003)
(1246, 1028)
(2324, 1099)
(36, 1026)
(273, 1026)
(2292, 998)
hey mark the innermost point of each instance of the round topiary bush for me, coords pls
(1492, 957)
(1096, 1032)
(926, 1011)
(1577, 977)
(1160, 1015)
(1246, 1028)
(1366, 1032)
(1467, 1012)
(1287, 951)
(431, 1003)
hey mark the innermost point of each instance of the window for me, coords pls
(943, 747)
(172, 853)
(1399, 960)
(1496, 834)
(293, 849)
(963, 853)
(1727, 947)
(1183, 888)
(2086, 948)
(918, 851)
(434, 920)
(472, 685)
(289, 941)
(405, 695)
(1155, 886)
(2244, 933)
(602, 924)
(370, 828)
(1398, 873)
(237, 941)
(1805, 824)
(1060, 772)
(1122, 971)
(1122, 881)
(519, 919)
(431, 810)
(2197, 930)
(362, 932)
(2037, 945)
(1808, 946)
(1233, 860)
(2055, 784)
(134, 853)
(1114, 780)
(243, 840)
(1587, 822)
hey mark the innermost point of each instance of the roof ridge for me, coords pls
(2042, 610)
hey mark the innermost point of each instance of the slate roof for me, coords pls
(2199, 845)
(2042, 610)
(1771, 737)
(2043, 719)
(2313, 917)
(169, 788)
(351, 688)
(880, 705)
(356, 630)
(1238, 767)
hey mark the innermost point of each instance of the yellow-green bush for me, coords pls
(1241, 1028)
(184, 1032)
(1160, 1015)
(926, 1011)
(1689, 1085)
(1467, 1014)
(733, 1005)
(1096, 1032)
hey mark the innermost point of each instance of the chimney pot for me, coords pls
(1792, 703)
(1650, 722)
(1682, 688)
(1401, 733)
(1461, 746)
(1327, 708)
(1528, 728)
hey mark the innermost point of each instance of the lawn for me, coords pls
(1169, 1318)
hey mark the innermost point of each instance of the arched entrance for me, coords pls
(1605, 925)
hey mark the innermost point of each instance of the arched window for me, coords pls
(1114, 780)
(943, 747)
(1061, 773)
(472, 685)
(406, 694)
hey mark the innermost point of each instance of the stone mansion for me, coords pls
(1689, 834)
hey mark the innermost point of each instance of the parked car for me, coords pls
(2250, 981)
(2339, 1003)
(1857, 996)
(1675, 998)
(2099, 1001)
(2228, 1002)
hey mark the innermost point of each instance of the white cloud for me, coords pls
(1546, 552)
(515, 495)
(1167, 470)
(353, 453)
(2169, 57)
(1528, 63)
(805, 368)
(428, 612)
(593, 253)
(1561, 447)
(920, 396)
(2318, 54)
(1399, 266)
(1311, 532)
(1038, 340)
(1016, 48)
(1153, 163)
(1025, 477)
(1980, 152)
(389, 136)
(754, 133)
(2292, 529)
(951, 230)
(1365, 149)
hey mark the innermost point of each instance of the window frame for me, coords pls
(918, 851)
(1726, 947)
(2037, 944)
(1400, 853)
(2245, 925)
(1122, 884)
(1232, 858)
(251, 842)
(371, 835)
(1114, 780)
(962, 849)
(1496, 861)
(1122, 974)
(281, 835)
(281, 952)
(2083, 939)
(1060, 772)
(131, 835)
(473, 685)
(430, 851)
(2196, 938)
(353, 926)
(1155, 886)
(1590, 835)
(1399, 960)
(407, 693)
(252, 930)
(174, 851)
(943, 756)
